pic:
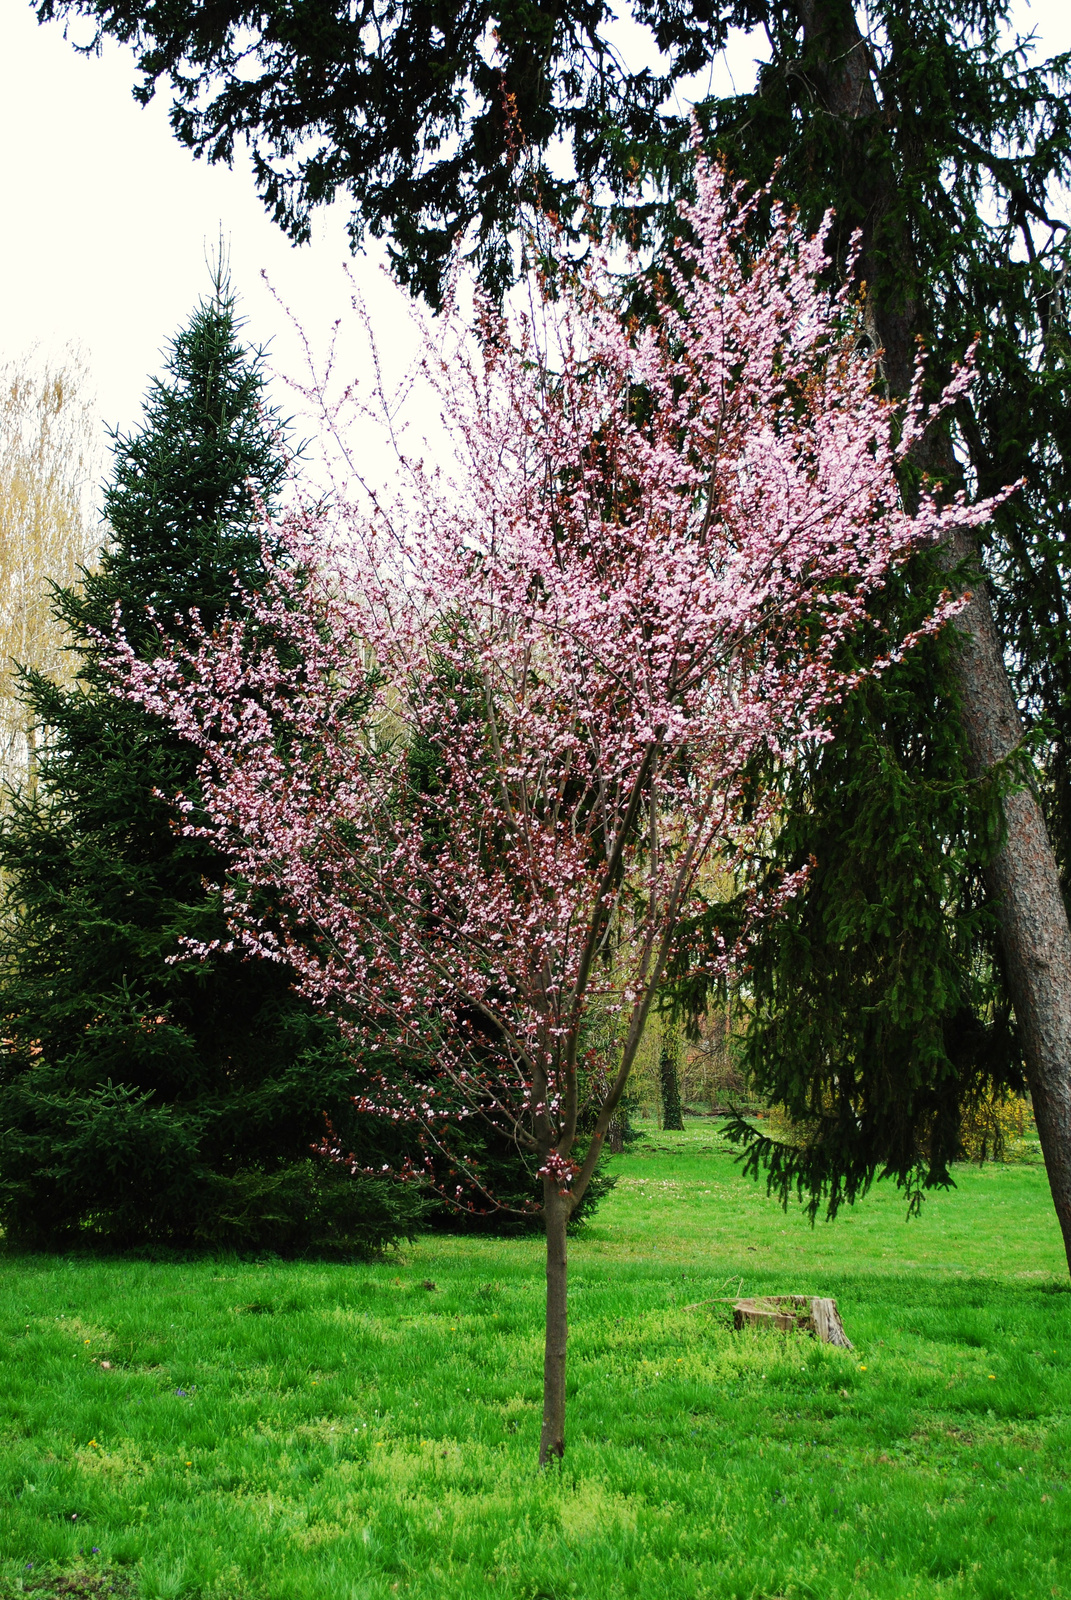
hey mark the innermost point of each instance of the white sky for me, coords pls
(107, 221)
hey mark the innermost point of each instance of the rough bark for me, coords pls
(1024, 884)
(556, 1216)
(1022, 879)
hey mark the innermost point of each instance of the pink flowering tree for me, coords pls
(638, 575)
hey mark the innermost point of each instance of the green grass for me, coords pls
(295, 1430)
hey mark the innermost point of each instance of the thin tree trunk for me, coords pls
(1022, 879)
(556, 1216)
(668, 1060)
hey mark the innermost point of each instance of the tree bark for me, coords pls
(668, 1061)
(556, 1216)
(1024, 884)
(1022, 879)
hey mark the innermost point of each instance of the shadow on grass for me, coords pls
(73, 1585)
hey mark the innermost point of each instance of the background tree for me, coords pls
(415, 112)
(946, 149)
(669, 1060)
(143, 1100)
(655, 546)
(48, 466)
(932, 131)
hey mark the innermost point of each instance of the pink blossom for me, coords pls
(637, 579)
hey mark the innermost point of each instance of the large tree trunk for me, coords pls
(1024, 884)
(556, 1216)
(1022, 879)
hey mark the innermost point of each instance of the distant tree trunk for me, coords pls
(556, 1216)
(1022, 878)
(669, 1052)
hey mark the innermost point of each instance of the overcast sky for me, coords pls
(107, 221)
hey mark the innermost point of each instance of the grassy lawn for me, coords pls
(238, 1430)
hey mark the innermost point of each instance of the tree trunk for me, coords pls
(1022, 879)
(669, 1051)
(1024, 885)
(556, 1216)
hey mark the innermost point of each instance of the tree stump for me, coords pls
(793, 1313)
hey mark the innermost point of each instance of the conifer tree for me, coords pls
(146, 1097)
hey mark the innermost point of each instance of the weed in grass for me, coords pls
(296, 1431)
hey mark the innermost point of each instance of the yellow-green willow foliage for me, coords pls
(49, 457)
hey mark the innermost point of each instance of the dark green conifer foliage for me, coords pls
(146, 1100)
(877, 1014)
(876, 1009)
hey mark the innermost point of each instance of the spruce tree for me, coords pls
(146, 1097)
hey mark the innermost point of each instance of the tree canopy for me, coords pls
(419, 112)
(931, 127)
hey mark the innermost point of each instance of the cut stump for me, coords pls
(793, 1313)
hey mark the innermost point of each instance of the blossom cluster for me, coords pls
(471, 753)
